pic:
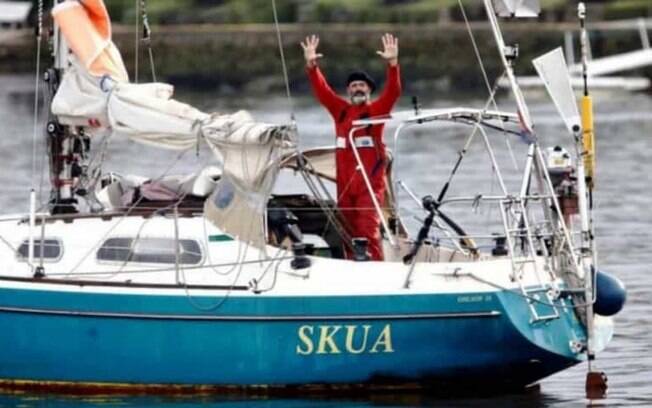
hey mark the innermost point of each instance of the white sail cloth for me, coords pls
(95, 94)
(146, 113)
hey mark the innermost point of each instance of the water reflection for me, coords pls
(531, 397)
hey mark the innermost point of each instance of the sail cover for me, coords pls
(95, 94)
(251, 157)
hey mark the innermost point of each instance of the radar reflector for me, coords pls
(553, 70)
(517, 8)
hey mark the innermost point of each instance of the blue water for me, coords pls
(622, 216)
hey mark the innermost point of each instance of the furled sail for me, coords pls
(251, 162)
(95, 93)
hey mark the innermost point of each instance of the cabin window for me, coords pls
(150, 250)
(49, 249)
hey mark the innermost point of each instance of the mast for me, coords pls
(596, 381)
(66, 147)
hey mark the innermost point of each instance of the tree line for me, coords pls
(348, 11)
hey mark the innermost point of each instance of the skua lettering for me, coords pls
(305, 333)
(326, 339)
(351, 339)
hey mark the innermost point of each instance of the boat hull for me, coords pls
(228, 338)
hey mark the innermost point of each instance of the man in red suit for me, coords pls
(353, 197)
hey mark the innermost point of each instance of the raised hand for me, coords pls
(310, 50)
(390, 49)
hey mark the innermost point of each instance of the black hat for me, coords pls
(361, 76)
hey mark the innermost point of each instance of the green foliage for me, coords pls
(342, 11)
(629, 9)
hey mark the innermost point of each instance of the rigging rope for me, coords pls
(39, 35)
(128, 212)
(283, 64)
(467, 144)
(147, 37)
(485, 76)
(141, 13)
(137, 49)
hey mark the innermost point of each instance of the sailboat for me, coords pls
(214, 281)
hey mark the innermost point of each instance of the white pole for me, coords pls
(367, 183)
(642, 30)
(518, 95)
(587, 239)
(32, 224)
(32, 193)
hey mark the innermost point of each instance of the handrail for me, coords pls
(370, 189)
(431, 115)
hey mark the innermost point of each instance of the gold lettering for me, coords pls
(326, 338)
(304, 336)
(350, 335)
(384, 339)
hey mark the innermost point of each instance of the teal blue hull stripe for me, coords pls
(159, 339)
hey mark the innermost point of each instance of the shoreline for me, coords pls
(233, 58)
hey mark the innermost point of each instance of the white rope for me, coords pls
(126, 214)
(485, 76)
(141, 12)
(205, 266)
(36, 91)
(137, 49)
(147, 37)
(284, 66)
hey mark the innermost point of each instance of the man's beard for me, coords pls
(359, 98)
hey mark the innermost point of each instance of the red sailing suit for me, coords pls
(353, 198)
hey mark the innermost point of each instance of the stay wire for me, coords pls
(147, 37)
(485, 76)
(283, 64)
(39, 35)
(137, 45)
(465, 148)
(131, 208)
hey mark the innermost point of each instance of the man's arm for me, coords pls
(324, 93)
(392, 90)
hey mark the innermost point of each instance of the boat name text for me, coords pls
(337, 339)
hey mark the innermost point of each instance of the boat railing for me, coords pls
(458, 114)
(477, 118)
(526, 245)
(495, 198)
